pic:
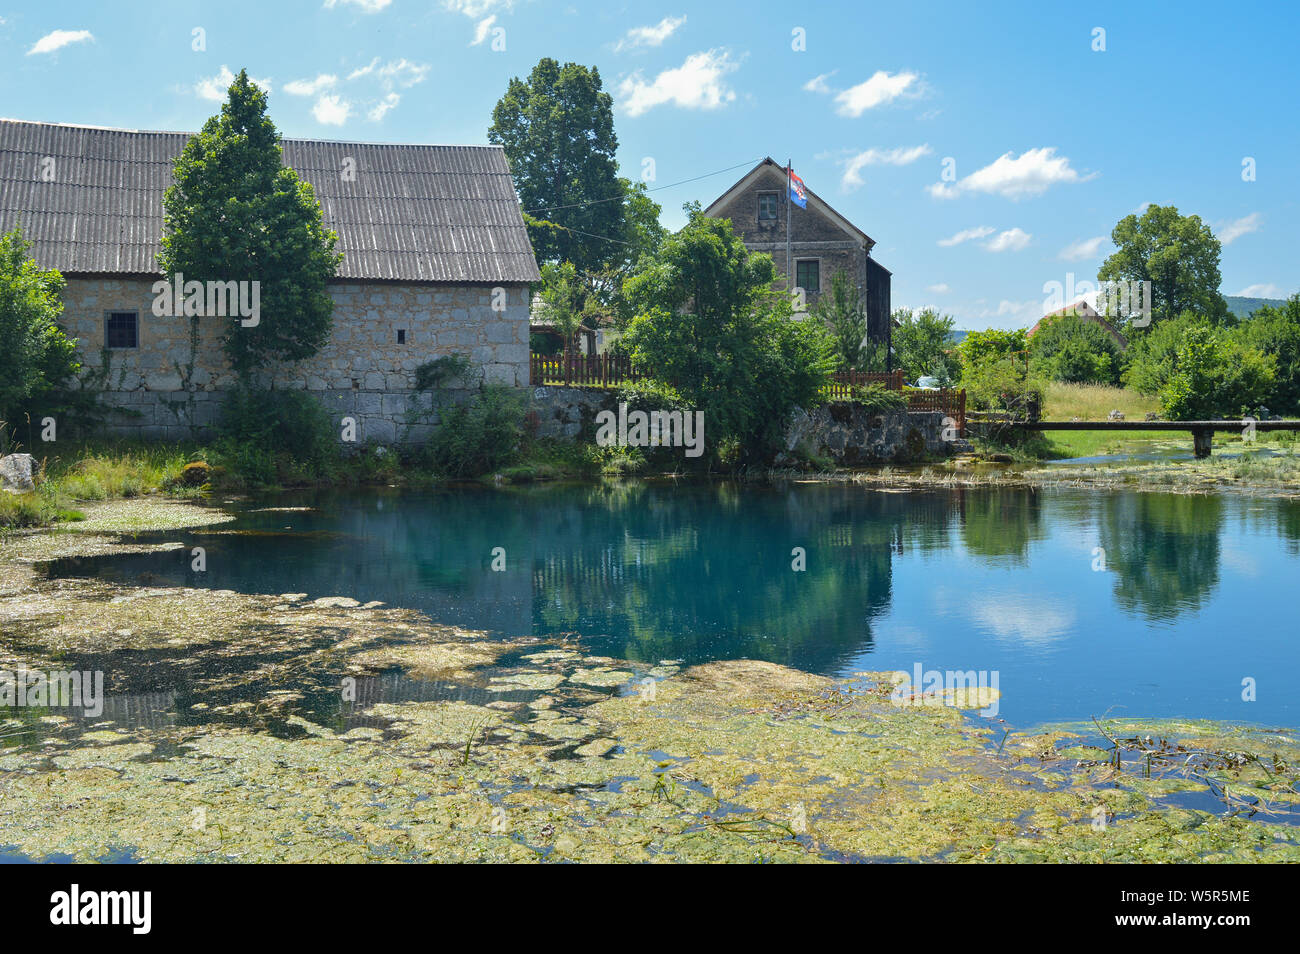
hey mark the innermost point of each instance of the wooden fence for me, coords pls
(607, 371)
(843, 383)
(581, 370)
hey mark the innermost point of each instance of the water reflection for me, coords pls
(969, 579)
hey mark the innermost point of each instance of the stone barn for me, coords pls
(436, 260)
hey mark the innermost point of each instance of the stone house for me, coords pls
(436, 260)
(821, 240)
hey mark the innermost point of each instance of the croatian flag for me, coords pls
(797, 194)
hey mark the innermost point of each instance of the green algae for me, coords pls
(554, 759)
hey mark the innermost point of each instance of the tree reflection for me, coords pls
(1164, 549)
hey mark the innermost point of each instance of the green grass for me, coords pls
(1094, 402)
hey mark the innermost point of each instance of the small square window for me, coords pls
(767, 206)
(808, 275)
(122, 330)
(401, 336)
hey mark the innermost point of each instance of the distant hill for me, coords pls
(1242, 307)
(955, 337)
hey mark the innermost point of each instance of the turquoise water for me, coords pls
(1196, 594)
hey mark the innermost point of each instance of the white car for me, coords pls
(928, 383)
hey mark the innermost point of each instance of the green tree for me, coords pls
(36, 357)
(1069, 348)
(1177, 254)
(842, 312)
(921, 344)
(562, 299)
(711, 327)
(236, 213)
(995, 372)
(557, 130)
(1276, 331)
(1215, 374)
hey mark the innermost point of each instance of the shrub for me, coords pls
(877, 399)
(264, 436)
(477, 437)
(1068, 348)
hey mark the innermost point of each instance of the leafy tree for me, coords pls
(993, 344)
(1215, 374)
(563, 297)
(921, 344)
(842, 312)
(36, 357)
(236, 213)
(1276, 331)
(711, 326)
(557, 129)
(1069, 348)
(1178, 254)
(995, 373)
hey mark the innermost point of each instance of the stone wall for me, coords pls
(362, 372)
(846, 433)
(849, 434)
(564, 412)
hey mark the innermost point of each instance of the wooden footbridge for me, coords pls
(1202, 431)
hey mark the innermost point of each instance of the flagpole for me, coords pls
(789, 264)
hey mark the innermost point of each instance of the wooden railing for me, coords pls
(582, 370)
(951, 401)
(607, 371)
(843, 383)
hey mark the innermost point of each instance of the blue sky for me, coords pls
(1051, 140)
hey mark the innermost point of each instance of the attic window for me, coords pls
(767, 206)
(401, 336)
(122, 330)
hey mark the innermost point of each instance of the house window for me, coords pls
(401, 336)
(122, 330)
(808, 275)
(767, 206)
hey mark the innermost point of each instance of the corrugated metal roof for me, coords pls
(411, 213)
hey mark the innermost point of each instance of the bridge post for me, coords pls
(1202, 441)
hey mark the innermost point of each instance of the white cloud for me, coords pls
(331, 110)
(649, 35)
(366, 6)
(898, 156)
(1013, 314)
(402, 73)
(1262, 290)
(939, 289)
(380, 109)
(967, 235)
(696, 84)
(477, 9)
(880, 89)
(311, 87)
(1022, 619)
(1229, 232)
(1029, 174)
(818, 84)
(482, 29)
(1012, 240)
(214, 88)
(59, 39)
(1083, 249)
